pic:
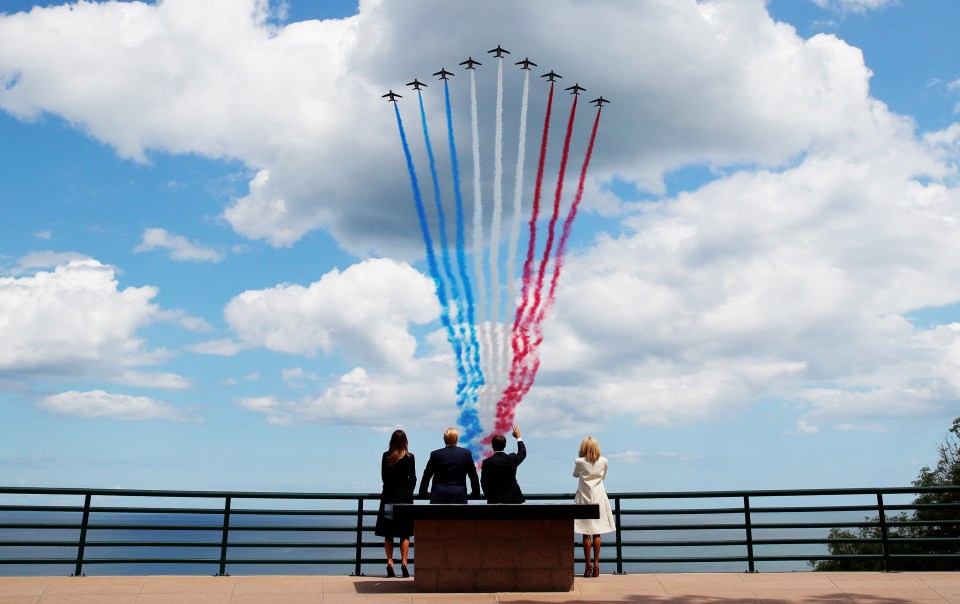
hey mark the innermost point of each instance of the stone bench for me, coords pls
(494, 548)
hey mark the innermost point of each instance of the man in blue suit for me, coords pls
(499, 471)
(449, 468)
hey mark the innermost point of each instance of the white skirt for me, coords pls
(598, 526)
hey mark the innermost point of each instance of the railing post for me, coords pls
(616, 518)
(224, 539)
(884, 536)
(751, 568)
(359, 553)
(82, 543)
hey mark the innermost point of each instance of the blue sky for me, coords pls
(211, 274)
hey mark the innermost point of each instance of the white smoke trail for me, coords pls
(507, 357)
(483, 325)
(496, 377)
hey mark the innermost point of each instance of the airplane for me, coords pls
(443, 73)
(470, 63)
(599, 101)
(498, 51)
(551, 76)
(526, 62)
(576, 88)
(416, 84)
(392, 96)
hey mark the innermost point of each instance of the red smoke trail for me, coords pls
(518, 335)
(521, 373)
(567, 225)
(530, 364)
(519, 338)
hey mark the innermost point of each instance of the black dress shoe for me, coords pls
(404, 571)
(390, 573)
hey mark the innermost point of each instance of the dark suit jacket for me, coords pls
(449, 468)
(499, 478)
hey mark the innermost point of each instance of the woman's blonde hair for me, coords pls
(590, 449)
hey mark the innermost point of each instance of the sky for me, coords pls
(212, 274)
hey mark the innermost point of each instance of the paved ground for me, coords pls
(686, 588)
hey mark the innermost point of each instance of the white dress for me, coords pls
(591, 490)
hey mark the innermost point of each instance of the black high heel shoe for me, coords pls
(404, 571)
(390, 573)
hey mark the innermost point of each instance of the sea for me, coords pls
(326, 544)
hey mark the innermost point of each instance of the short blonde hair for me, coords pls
(590, 449)
(450, 436)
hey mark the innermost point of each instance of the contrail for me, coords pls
(527, 362)
(517, 212)
(473, 345)
(494, 258)
(520, 339)
(468, 415)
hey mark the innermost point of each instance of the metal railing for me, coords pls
(71, 530)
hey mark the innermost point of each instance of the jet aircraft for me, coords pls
(416, 84)
(392, 96)
(526, 62)
(470, 63)
(498, 52)
(443, 73)
(576, 88)
(599, 101)
(551, 76)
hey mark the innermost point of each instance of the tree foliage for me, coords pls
(931, 520)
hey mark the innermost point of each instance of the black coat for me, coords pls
(449, 468)
(399, 481)
(499, 476)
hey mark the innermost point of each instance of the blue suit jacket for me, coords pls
(449, 468)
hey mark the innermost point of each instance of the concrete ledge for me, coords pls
(494, 548)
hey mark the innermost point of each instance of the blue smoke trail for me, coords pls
(461, 243)
(431, 258)
(466, 394)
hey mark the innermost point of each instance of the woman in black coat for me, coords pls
(399, 473)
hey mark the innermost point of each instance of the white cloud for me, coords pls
(788, 278)
(178, 246)
(855, 6)
(363, 313)
(30, 262)
(73, 317)
(300, 104)
(378, 401)
(100, 404)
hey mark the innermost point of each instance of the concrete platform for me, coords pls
(685, 588)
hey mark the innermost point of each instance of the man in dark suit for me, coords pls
(499, 471)
(449, 468)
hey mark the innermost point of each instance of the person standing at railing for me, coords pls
(591, 469)
(449, 468)
(498, 474)
(398, 469)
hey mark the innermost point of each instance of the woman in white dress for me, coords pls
(591, 469)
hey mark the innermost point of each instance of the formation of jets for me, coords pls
(497, 52)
